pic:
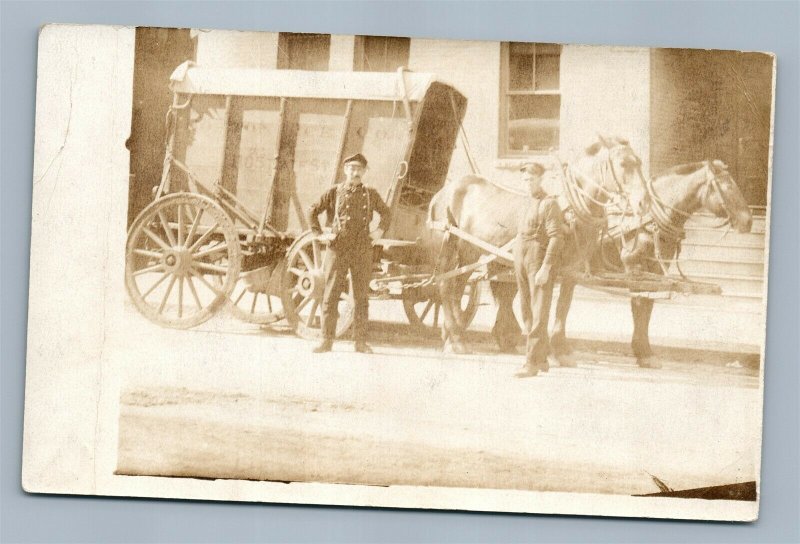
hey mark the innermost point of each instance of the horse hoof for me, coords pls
(563, 360)
(527, 373)
(648, 362)
(455, 347)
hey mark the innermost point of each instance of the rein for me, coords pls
(663, 215)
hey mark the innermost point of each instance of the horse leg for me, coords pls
(445, 261)
(558, 341)
(506, 330)
(452, 331)
(451, 306)
(642, 309)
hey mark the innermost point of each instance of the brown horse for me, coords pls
(651, 245)
(598, 175)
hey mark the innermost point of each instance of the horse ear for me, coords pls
(593, 149)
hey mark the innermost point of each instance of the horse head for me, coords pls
(721, 196)
(614, 172)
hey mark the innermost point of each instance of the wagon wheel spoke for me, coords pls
(180, 296)
(154, 286)
(180, 225)
(317, 253)
(193, 227)
(240, 297)
(208, 267)
(436, 315)
(306, 259)
(296, 271)
(167, 228)
(206, 235)
(210, 251)
(253, 304)
(156, 238)
(147, 253)
(154, 268)
(428, 306)
(303, 303)
(312, 314)
(194, 293)
(166, 295)
(210, 287)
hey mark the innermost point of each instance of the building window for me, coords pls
(530, 99)
(303, 51)
(380, 53)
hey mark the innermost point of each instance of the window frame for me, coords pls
(359, 52)
(504, 150)
(284, 58)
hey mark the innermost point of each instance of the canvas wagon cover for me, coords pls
(192, 79)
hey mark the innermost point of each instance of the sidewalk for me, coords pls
(686, 328)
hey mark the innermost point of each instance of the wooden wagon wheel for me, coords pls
(256, 296)
(423, 313)
(302, 286)
(181, 260)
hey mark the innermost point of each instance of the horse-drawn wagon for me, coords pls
(247, 151)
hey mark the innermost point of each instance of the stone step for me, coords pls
(703, 251)
(732, 284)
(753, 269)
(719, 237)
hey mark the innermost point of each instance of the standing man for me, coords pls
(349, 206)
(536, 256)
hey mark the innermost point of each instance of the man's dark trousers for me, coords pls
(535, 300)
(343, 256)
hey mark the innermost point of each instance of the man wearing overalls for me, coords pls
(349, 206)
(536, 257)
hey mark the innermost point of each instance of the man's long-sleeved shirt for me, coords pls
(349, 208)
(542, 223)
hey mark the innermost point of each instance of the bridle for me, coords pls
(662, 216)
(580, 200)
(663, 213)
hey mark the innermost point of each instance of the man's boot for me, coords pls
(362, 347)
(325, 346)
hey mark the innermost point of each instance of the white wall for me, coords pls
(605, 90)
(473, 68)
(343, 50)
(227, 48)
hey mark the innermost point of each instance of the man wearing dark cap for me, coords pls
(349, 207)
(536, 255)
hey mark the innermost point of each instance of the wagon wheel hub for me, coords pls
(178, 261)
(312, 282)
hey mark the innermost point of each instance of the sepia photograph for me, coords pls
(407, 272)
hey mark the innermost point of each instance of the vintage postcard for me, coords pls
(398, 272)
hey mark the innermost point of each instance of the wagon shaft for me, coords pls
(647, 283)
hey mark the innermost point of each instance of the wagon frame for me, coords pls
(228, 229)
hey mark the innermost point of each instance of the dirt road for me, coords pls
(230, 401)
